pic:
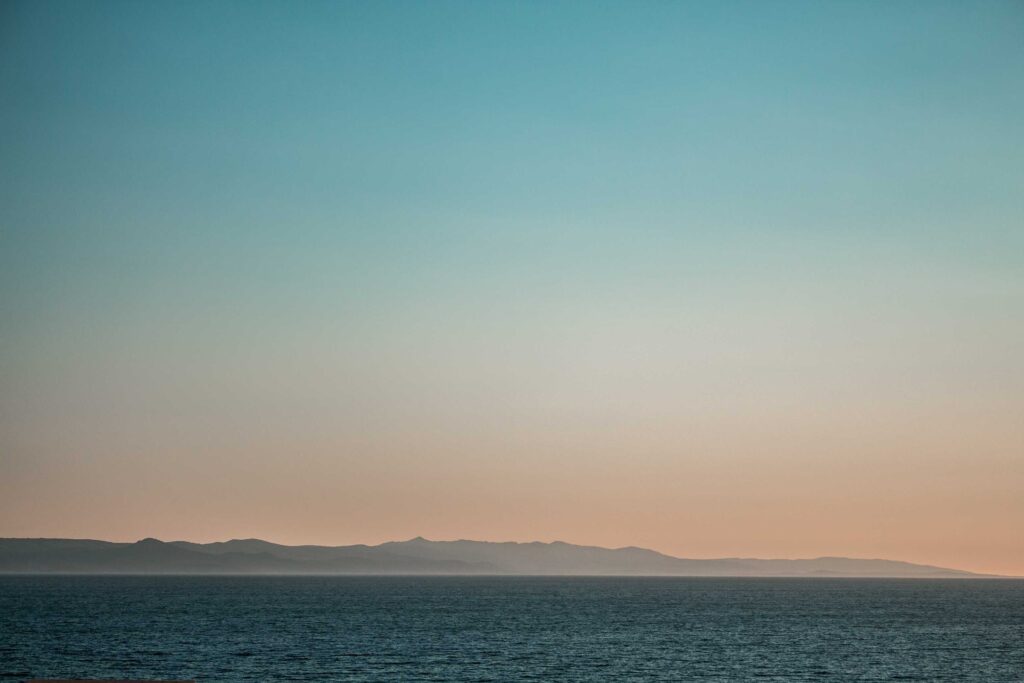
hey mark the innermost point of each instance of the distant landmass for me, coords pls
(417, 556)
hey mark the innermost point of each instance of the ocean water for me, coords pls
(510, 629)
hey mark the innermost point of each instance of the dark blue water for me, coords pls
(506, 629)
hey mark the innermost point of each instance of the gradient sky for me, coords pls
(720, 279)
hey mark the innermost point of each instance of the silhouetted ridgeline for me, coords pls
(417, 556)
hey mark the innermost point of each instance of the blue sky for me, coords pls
(170, 133)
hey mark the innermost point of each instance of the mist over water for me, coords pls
(507, 628)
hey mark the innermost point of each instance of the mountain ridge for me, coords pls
(421, 556)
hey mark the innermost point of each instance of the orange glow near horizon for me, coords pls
(877, 487)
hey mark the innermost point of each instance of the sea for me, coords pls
(320, 628)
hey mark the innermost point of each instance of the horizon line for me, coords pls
(977, 574)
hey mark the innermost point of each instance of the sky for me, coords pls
(715, 278)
